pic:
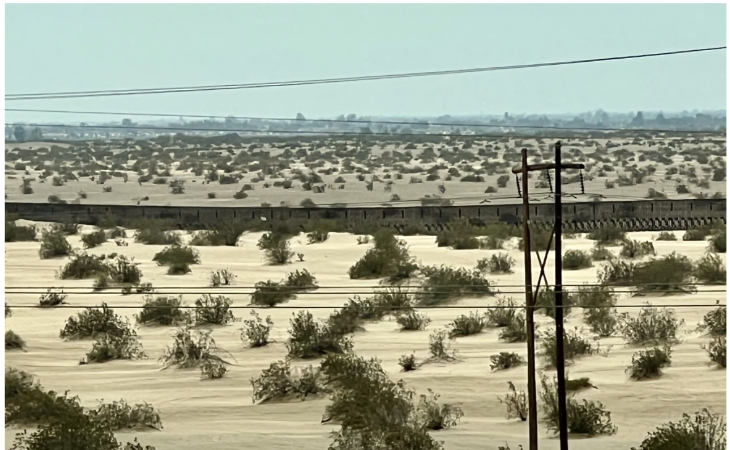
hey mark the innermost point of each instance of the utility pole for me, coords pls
(524, 169)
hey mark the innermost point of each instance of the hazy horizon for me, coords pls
(144, 45)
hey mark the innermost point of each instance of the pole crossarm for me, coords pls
(546, 166)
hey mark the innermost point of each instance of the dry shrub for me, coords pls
(13, 341)
(300, 281)
(433, 416)
(52, 298)
(710, 270)
(717, 350)
(718, 242)
(516, 329)
(601, 253)
(156, 236)
(598, 308)
(652, 325)
(190, 350)
(461, 236)
(577, 260)
(443, 284)
(574, 345)
(53, 245)
(632, 249)
(413, 321)
(408, 363)
(222, 277)
(389, 258)
(18, 233)
(309, 339)
(706, 432)
(278, 383)
(545, 302)
(588, 418)
(271, 293)
(210, 310)
(439, 346)
(715, 321)
(469, 325)
(93, 239)
(499, 263)
(255, 332)
(94, 322)
(502, 314)
(666, 236)
(212, 369)
(648, 364)
(505, 360)
(119, 415)
(608, 235)
(108, 347)
(516, 403)
(162, 310)
(82, 265)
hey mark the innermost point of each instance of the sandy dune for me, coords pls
(219, 415)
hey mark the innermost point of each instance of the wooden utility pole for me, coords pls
(524, 169)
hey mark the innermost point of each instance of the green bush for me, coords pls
(210, 310)
(631, 249)
(162, 310)
(717, 350)
(93, 239)
(710, 270)
(647, 364)
(278, 383)
(271, 293)
(715, 321)
(652, 325)
(94, 322)
(190, 350)
(389, 258)
(309, 339)
(255, 332)
(706, 432)
(469, 325)
(119, 415)
(109, 347)
(505, 360)
(82, 266)
(54, 245)
(577, 260)
(588, 418)
(443, 284)
(574, 345)
(177, 254)
(178, 268)
(212, 370)
(300, 281)
(499, 263)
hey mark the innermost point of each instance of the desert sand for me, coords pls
(219, 414)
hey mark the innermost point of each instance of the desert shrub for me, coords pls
(300, 280)
(156, 236)
(608, 235)
(178, 268)
(631, 249)
(646, 364)
(545, 302)
(8, 311)
(122, 271)
(616, 272)
(718, 242)
(539, 241)
(389, 258)
(443, 284)
(212, 370)
(207, 238)
(696, 234)
(17, 233)
(576, 260)
(120, 415)
(279, 253)
(190, 350)
(255, 331)
(408, 363)
(363, 240)
(94, 322)
(600, 253)
(211, 310)
(439, 346)
(432, 416)
(652, 325)
(413, 321)
(710, 270)
(461, 236)
(588, 418)
(13, 341)
(53, 245)
(574, 345)
(93, 239)
(516, 329)
(706, 432)
(270, 293)
(108, 347)
(72, 431)
(715, 321)
(516, 403)
(229, 231)
(278, 383)
(505, 360)
(671, 273)
(464, 325)
(52, 298)
(177, 255)
(222, 277)
(162, 310)
(499, 263)
(26, 403)
(666, 236)
(598, 312)
(717, 350)
(309, 339)
(503, 313)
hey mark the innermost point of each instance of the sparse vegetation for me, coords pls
(576, 260)
(574, 345)
(162, 310)
(309, 339)
(464, 325)
(413, 321)
(505, 360)
(516, 403)
(255, 331)
(631, 249)
(53, 245)
(706, 431)
(443, 284)
(710, 269)
(278, 383)
(222, 277)
(210, 310)
(715, 322)
(439, 346)
(499, 263)
(652, 325)
(717, 350)
(647, 364)
(191, 349)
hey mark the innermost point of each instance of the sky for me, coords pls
(57, 47)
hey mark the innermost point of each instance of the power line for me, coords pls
(145, 91)
(359, 121)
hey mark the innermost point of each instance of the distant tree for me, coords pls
(638, 120)
(36, 134)
(126, 122)
(300, 116)
(19, 134)
(351, 117)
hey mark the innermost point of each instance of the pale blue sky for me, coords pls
(54, 47)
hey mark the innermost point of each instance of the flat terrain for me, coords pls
(219, 414)
(620, 168)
